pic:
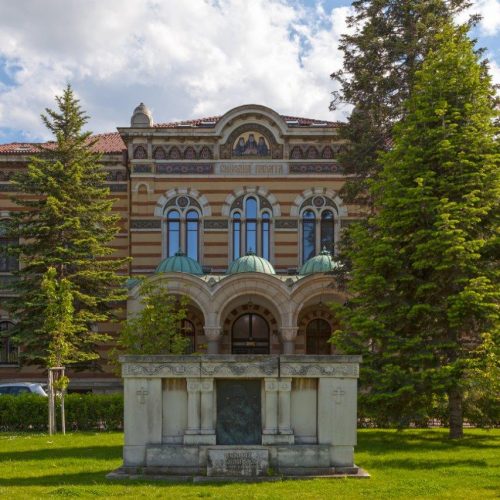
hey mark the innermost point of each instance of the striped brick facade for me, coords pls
(152, 167)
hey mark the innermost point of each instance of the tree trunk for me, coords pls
(455, 413)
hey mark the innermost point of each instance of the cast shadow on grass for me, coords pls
(92, 452)
(426, 464)
(380, 442)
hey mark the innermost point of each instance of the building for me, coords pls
(241, 212)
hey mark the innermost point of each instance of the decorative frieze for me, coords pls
(142, 169)
(284, 224)
(7, 188)
(185, 168)
(316, 168)
(215, 224)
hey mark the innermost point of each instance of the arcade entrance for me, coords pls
(250, 335)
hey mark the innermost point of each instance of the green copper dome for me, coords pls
(322, 263)
(179, 263)
(251, 263)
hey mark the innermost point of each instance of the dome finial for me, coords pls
(141, 117)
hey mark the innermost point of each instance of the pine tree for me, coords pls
(424, 271)
(389, 40)
(64, 221)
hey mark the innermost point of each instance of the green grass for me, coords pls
(408, 464)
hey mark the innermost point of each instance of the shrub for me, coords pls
(29, 412)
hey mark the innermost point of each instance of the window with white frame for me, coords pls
(318, 216)
(251, 226)
(181, 227)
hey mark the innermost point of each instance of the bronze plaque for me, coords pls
(238, 412)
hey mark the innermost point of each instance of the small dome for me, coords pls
(141, 117)
(179, 263)
(131, 282)
(251, 263)
(322, 263)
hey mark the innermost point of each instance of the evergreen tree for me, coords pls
(424, 272)
(64, 221)
(388, 42)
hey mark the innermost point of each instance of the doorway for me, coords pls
(250, 335)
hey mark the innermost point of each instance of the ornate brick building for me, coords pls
(241, 212)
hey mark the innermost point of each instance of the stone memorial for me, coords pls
(239, 416)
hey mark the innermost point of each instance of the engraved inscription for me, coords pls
(237, 462)
(141, 394)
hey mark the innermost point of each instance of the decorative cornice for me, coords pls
(187, 168)
(145, 224)
(318, 168)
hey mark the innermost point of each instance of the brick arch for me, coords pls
(174, 153)
(200, 199)
(140, 152)
(327, 153)
(206, 153)
(190, 153)
(296, 153)
(250, 307)
(159, 153)
(226, 149)
(328, 193)
(257, 190)
(308, 314)
(312, 153)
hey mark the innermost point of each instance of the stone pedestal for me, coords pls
(180, 412)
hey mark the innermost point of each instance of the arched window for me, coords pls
(173, 232)
(327, 231)
(9, 353)
(318, 332)
(318, 219)
(192, 234)
(236, 235)
(251, 227)
(308, 235)
(266, 233)
(189, 331)
(250, 335)
(251, 224)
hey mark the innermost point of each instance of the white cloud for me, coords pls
(490, 16)
(184, 58)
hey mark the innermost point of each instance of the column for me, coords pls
(288, 336)
(193, 415)
(214, 335)
(284, 404)
(207, 411)
(270, 431)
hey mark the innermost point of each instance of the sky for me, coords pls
(183, 58)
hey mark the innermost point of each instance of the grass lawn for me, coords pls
(408, 464)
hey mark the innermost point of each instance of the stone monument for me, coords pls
(239, 416)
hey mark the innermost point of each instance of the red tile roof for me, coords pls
(111, 142)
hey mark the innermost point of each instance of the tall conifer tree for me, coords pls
(65, 222)
(388, 42)
(424, 276)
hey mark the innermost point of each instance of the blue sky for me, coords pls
(183, 58)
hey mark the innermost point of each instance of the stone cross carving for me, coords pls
(338, 393)
(142, 393)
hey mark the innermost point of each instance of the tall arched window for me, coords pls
(192, 234)
(251, 227)
(318, 332)
(327, 231)
(236, 235)
(173, 232)
(9, 353)
(317, 226)
(266, 235)
(308, 235)
(251, 224)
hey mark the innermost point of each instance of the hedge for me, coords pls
(84, 412)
